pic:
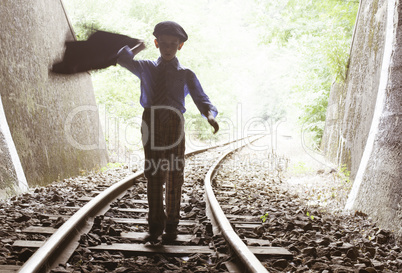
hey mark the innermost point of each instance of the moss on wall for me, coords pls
(8, 177)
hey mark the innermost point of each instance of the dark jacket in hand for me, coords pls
(99, 51)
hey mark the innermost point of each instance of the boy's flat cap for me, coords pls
(170, 28)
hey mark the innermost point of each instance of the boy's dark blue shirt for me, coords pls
(181, 82)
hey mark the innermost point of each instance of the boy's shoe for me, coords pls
(170, 234)
(154, 232)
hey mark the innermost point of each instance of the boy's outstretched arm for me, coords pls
(212, 121)
(135, 50)
(125, 57)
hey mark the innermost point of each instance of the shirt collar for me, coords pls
(174, 62)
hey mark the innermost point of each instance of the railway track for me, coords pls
(104, 231)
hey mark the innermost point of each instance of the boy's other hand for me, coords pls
(212, 121)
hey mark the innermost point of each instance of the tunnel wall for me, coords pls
(352, 102)
(53, 119)
(12, 177)
(363, 130)
(8, 175)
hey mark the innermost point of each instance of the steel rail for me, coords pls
(39, 261)
(42, 260)
(249, 260)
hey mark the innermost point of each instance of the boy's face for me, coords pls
(168, 46)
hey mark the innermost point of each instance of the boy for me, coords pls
(164, 86)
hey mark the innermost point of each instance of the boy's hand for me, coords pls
(135, 50)
(212, 121)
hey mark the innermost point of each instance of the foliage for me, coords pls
(270, 57)
(300, 168)
(264, 217)
(321, 33)
(117, 90)
(112, 166)
(309, 215)
(344, 173)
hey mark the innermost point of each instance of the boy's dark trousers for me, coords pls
(164, 145)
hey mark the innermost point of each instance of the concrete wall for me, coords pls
(8, 176)
(351, 104)
(52, 118)
(12, 177)
(366, 130)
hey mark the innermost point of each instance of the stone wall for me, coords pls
(351, 104)
(12, 177)
(364, 129)
(52, 118)
(377, 190)
(8, 175)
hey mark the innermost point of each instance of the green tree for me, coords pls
(320, 32)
